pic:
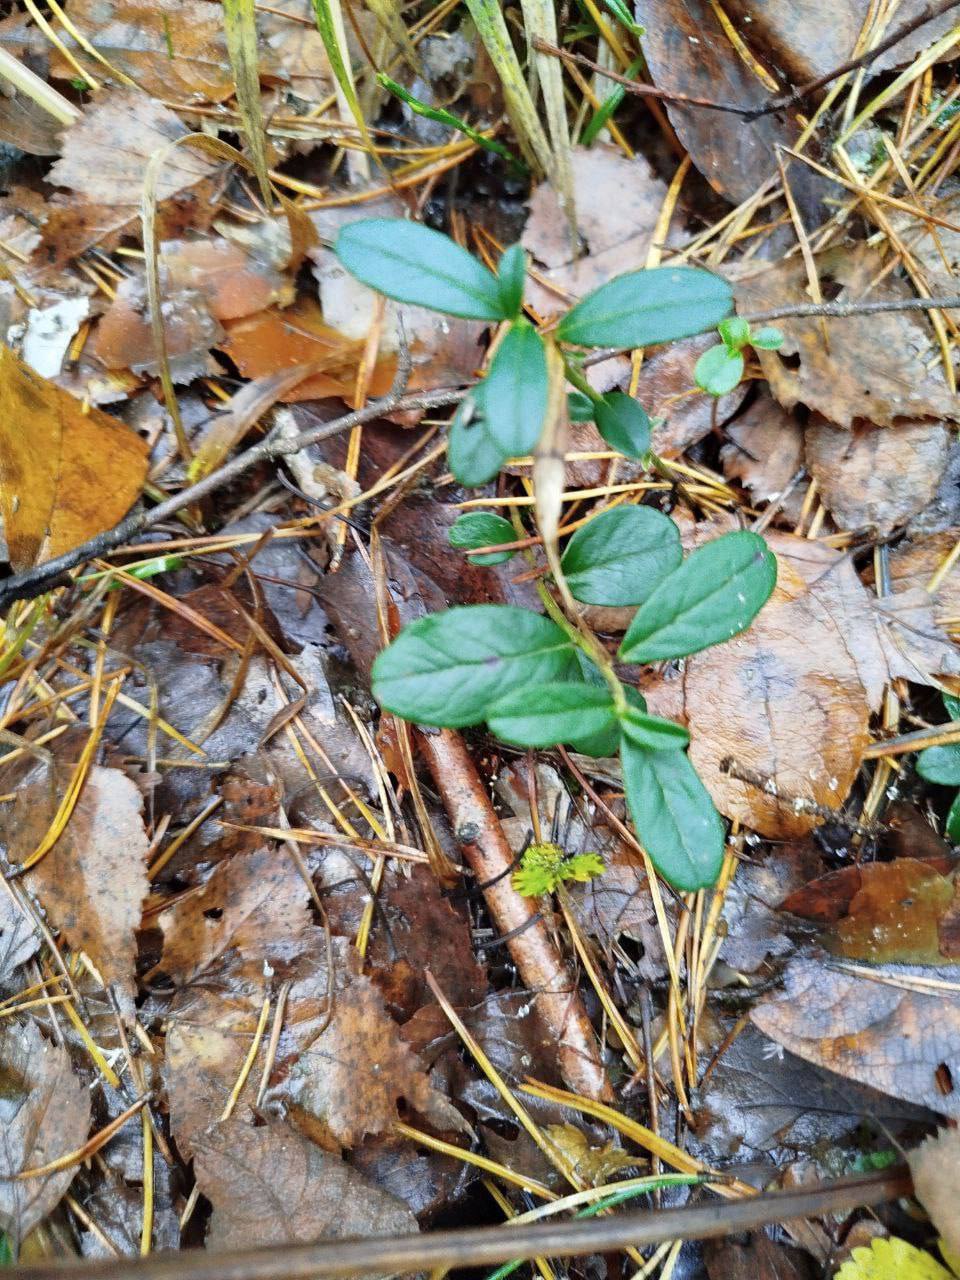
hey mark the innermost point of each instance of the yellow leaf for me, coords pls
(65, 475)
(892, 1259)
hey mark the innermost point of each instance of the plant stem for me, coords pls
(588, 644)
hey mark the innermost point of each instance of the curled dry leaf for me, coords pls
(791, 699)
(935, 1166)
(348, 1082)
(896, 1029)
(44, 1114)
(56, 490)
(93, 881)
(272, 1186)
(876, 366)
(876, 476)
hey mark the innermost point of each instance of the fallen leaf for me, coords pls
(19, 937)
(757, 1258)
(895, 1029)
(44, 1114)
(913, 564)
(69, 476)
(935, 1166)
(618, 202)
(755, 929)
(876, 366)
(232, 283)
(688, 51)
(272, 1186)
(618, 903)
(49, 332)
(790, 700)
(350, 1079)
(899, 912)
(124, 337)
(876, 476)
(596, 1165)
(765, 451)
(254, 903)
(93, 880)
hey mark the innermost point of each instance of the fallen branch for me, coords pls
(782, 100)
(539, 963)
(842, 309)
(488, 1246)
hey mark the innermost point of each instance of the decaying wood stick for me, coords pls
(541, 967)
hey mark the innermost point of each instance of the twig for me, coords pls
(842, 309)
(927, 14)
(636, 86)
(33, 582)
(487, 1246)
(541, 967)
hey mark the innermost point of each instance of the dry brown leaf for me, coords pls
(232, 283)
(791, 699)
(255, 904)
(350, 1079)
(913, 564)
(93, 881)
(105, 155)
(876, 476)
(688, 51)
(872, 1026)
(766, 449)
(19, 937)
(124, 337)
(272, 1186)
(64, 474)
(44, 1114)
(876, 366)
(935, 1166)
(618, 202)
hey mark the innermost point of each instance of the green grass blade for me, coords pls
(329, 19)
(240, 27)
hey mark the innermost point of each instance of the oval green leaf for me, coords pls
(447, 669)
(413, 263)
(580, 407)
(645, 307)
(474, 456)
(482, 529)
(951, 828)
(715, 594)
(674, 816)
(654, 732)
(769, 339)
(623, 423)
(515, 391)
(718, 370)
(735, 332)
(621, 555)
(940, 765)
(551, 713)
(511, 277)
(600, 746)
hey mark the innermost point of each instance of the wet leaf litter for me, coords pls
(480, 672)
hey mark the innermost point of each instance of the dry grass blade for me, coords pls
(240, 24)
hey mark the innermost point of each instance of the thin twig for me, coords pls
(844, 309)
(782, 100)
(33, 582)
(636, 86)
(487, 1246)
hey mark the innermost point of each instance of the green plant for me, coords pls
(544, 867)
(720, 368)
(941, 765)
(542, 680)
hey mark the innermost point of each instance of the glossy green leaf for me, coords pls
(715, 594)
(940, 765)
(769, 339)
(951, 705)
(951, 828)
(619, 557)
(644, 307)
(580, 407)
(735, 332)
(413, 263)
(654, 732)
(551, 713)
(674, 815)
(511, 277)
(474, 456)
(515, 391)
(718, 370)
(448, 668)
(482, 529)
(623, 423)
(606, 743)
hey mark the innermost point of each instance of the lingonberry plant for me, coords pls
(539, 680)
(720, 368)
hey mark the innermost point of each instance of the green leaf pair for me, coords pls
(720, 368)
(941, 765)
